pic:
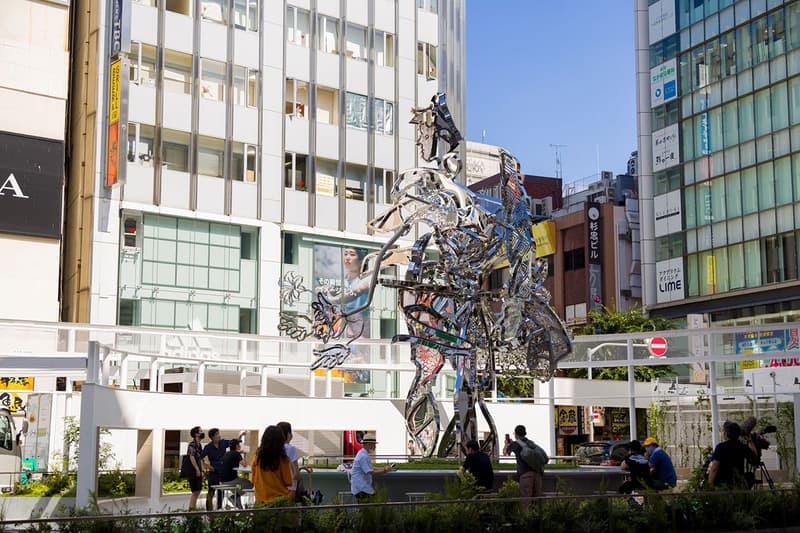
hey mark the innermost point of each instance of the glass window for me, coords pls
(744, 48)
(780, 105)
(714, 140)
(177, 72)
(730, 120)
(384, 49)
(143, 64)
(746, 125)
(327, 177)
(384, 116)
(355, 110)
(733, 200)
(759, 34)
(140, 144)
(689, 203)
(687, 136)
(749, 191)
(783, 181)
(214, 10)
(328, 35)
(793, 25)
(355, 181)
(384, 181)
(175, 150)
(184, 7)
(763, 113)
(210, 156)
(243, 162)
(718, 199)
(713, 61)
(685, 79)
(245, 86)
(327, 105)
(766, 186)
(295, 165)
(296, 98)
(703, 206)
(356, 42)
(720, 262)
(297, 26)
(794, 100)
(692, 280)
(426, 60)
(777, 33)
(699, 68)
(707, 271)
(212, 80)
(727, 45)
(736, 266)
(752, 260)
(245, 14)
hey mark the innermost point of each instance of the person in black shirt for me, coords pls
(638, 466)
(728, 460)
(228, 475)
(479, 465)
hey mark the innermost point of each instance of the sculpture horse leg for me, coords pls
(422, 413)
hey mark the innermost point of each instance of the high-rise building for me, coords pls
(718, 84)
(217, 144)
(34, 71)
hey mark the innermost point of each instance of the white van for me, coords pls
(10, 451)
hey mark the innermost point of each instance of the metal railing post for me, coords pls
(631, 391)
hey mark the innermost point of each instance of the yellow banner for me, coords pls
(748, 365)
(544, 233)
(711, 271)
(12, 401)
(15, 383)
(114, 91)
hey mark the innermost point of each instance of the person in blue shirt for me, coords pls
(213, 453)
(362, 472)
(664, 476)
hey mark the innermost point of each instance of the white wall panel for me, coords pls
(244, 199)
(426, 90)
(178, 30)
(327, 212)
(274, 40)
(245, 124)
(29, 283)
(296, 135)
(406, 46)
(213, 41)
(356, 147)
(296, 211)
(139, 184)
(177, 111)
(328, 7)
(406, 154)
(357, 76)
(384, 15)
(407, 73)
(174, 189)
(245, 51)
(384, 83)
(272, 127)
(212, 118)
(356, 216)
(272, 185)
(384, 151)
(210, 194)
(142, 104)
(144, 23)
(31, 114)
(428, 27)
(328, 141)
(328, 69)
(298, 62)
(357, 12)
(274, 82)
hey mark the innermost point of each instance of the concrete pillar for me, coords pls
(105, 366)
(712, 385)
(144, 463)
(796, 403)
(312, 384)
(328, 383)
(243, 382)
(551, 419)
(89, 442)
(263, 381)
(154, 375)
(389, 385)
(160, 387)
(631, 392)
(157, 468)
(201, 378)
(123, 372)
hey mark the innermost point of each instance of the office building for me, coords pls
(718, 85)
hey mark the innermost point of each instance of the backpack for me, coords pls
(534, 456)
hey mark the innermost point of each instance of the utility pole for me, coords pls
(557, 148)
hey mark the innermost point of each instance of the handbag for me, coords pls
(187, 469)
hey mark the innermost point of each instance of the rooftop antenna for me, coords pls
(557, 148)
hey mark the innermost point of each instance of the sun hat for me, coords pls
(369, 437)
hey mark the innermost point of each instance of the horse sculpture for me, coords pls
(453, 313)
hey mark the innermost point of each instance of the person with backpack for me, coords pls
(638, 467)
(530, 463)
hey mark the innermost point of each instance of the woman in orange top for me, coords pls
(271, 471)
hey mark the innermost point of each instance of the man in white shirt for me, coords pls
(362, 473)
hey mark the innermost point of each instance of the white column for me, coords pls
(106, 367)
(201, 378)
(712, 384)
(87, 466)
(328, 383)
(243, 382)
(312, 384)
(631, 392)
(551, 418)
(160, 379)
(157, 469)
(123, 372)
(389, 384)
(263, 381)
(154, 375)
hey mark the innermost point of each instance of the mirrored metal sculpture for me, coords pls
(454, 315)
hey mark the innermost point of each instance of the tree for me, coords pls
(634, 320)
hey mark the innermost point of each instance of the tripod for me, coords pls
(764, 475)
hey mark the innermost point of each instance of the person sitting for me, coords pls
(271, 469)
(637, 465)
(479, 465)
(727, 465)
(661, 467)
(234, 458)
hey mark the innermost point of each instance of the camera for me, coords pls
(759, 440)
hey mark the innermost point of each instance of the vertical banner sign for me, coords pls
(594, 240)
(112, 142)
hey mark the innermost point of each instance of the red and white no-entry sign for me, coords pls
(657, 346)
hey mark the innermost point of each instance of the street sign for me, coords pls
(657, 346)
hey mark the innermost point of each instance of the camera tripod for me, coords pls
(764, 475)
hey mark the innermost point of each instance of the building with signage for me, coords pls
(33, 98)
(221, 143)
(718, 86)
(483, 161)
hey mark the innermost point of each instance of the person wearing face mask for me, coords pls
(195, 453)
(661, 467)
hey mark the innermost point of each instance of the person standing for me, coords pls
(195, 453)
(479, 465)
(530, 478)
(637, 465)
(291, 453)
(363, 472)
(213, 453)
(271, 471)
(727, 465)
(661, 467)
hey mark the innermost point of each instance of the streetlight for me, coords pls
(774, 395)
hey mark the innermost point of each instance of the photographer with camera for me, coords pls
(728, 462)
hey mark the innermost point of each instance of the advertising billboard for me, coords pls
(662, 20)
(31, 185)
(667, 210)
(664, 83)
(544, 234)
(665, 148)
(336, 276)
(669, 279)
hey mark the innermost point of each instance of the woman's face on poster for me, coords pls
(351, 260)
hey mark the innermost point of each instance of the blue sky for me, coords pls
(543, 72)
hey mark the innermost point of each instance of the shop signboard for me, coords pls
(667, 210)
(594, 238)
(669, 280)
(664, 83)
(568, 420)
(666, 148)
(661, 15)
